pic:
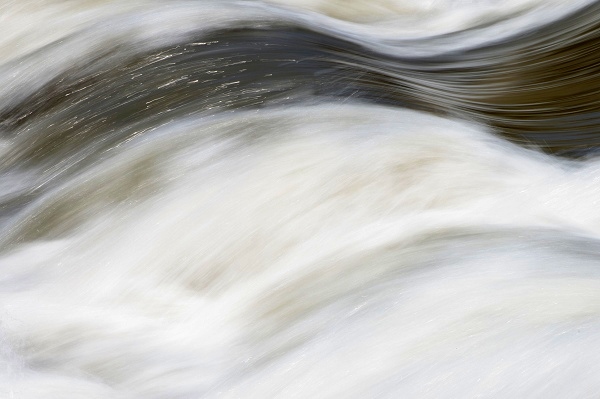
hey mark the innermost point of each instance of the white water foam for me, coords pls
(325, 251)
(321, 251)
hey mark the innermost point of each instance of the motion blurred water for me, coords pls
(299, 198)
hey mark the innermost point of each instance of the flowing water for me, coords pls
(299, 199)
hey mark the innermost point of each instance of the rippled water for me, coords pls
(299, 199)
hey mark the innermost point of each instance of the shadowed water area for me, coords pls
(538, 87)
